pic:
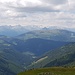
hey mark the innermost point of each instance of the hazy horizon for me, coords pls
(38, 12)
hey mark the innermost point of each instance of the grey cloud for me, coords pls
(20, 16)
(55, 2)
(35, 9)
(32, 8)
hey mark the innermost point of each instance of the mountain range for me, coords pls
(21, 50)
(12, 31)
(55, 34)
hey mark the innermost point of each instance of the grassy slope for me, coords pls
(55, 57)
(5, 68)
(52, 71)
(8, 68)
(8, 59)
(8, 51)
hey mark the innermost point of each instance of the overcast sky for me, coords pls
(59, 13)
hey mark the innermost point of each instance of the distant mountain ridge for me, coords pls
(16, 30)
(55, 34)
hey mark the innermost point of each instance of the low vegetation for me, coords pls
(50, 71)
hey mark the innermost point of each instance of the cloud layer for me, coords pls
(38, 12)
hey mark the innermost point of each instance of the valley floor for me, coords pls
(50, 71)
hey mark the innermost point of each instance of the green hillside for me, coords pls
(11, 60)
(50, 71)
(10, 50)
(8, 68)
(64, 56)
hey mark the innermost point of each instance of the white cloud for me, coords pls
(38, 12)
